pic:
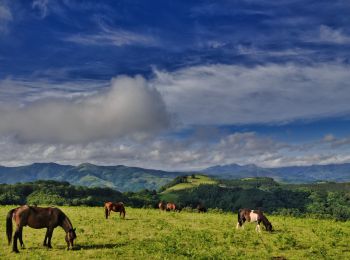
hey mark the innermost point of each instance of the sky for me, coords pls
(175, 85)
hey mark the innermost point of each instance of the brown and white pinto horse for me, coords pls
(116, 207)
(162, 205)
(253, 216)
(170, 206)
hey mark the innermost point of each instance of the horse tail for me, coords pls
(123, 211)
(106, 212)
(9, 225)
(239, 218)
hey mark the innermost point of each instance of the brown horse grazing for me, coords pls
(170, 206)
(162, 205)
(253, 216)
(36, 217)
(201, 208)
(116, 207)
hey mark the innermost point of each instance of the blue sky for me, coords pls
(175, 84)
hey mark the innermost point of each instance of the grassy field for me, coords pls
(150, 234)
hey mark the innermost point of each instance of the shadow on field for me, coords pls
(99, 246)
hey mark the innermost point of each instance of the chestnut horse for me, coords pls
(162, 205)
(36, 217)
(253, 216)
(170, 206)
(116, 207)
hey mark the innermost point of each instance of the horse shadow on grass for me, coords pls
(99, 246)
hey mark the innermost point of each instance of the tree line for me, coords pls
(325, 200)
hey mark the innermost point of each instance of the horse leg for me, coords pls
(15, 237)
(257, 228)
(50, 231)
(240, 223)
(45, 239)
(21, 238)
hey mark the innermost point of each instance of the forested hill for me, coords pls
(326, 199)
(118, 177)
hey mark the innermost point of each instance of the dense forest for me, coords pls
(326, 200)
(63, 193)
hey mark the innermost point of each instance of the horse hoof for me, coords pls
(15, 251)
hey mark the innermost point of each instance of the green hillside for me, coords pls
(191, 181)
(170, 191)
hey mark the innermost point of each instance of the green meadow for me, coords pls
(151, 234)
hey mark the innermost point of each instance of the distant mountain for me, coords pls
(293, 174)
(118, 177)
(124, 178)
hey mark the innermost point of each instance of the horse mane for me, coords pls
(62, 217)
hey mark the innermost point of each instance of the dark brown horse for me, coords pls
(170, 206)
(36, 217)
(253, 216)
(201, 208)
(162, 205)
(116, 207)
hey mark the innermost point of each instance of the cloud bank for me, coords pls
(129, 108)
(188, 154)
(231, 94)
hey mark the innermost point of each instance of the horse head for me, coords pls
(268, 226)
(70, 236)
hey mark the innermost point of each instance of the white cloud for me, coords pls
(40, 88)
(328, 34)
(42, 6)
(129, 108)
(5, 17)
(111, 36)
(329, 138)
(232, 94)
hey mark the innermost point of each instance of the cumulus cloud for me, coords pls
(232, 94)
(129, 107)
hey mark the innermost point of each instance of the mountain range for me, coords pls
(124, 178)
(291, 174)
(120, 177)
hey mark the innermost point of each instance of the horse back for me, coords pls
(38, 217)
